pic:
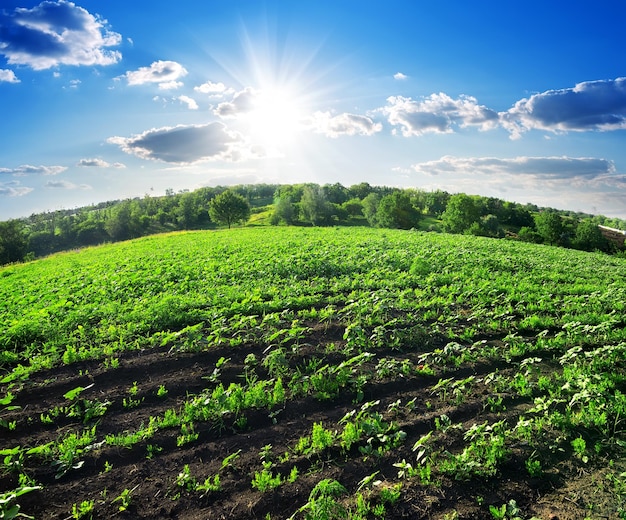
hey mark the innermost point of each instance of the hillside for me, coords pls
(302, 372)
(305, 205)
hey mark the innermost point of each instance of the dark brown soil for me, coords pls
(566, 491)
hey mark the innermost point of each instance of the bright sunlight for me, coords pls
(275, 120)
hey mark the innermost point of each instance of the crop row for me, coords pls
(426, 359)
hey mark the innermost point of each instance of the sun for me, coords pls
(275, 118)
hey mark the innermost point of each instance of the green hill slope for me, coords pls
(460, 372)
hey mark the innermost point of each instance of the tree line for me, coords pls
(301, 204)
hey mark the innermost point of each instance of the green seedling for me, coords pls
(125, 498)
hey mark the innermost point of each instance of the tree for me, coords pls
(284, 211)
(435, 202)
(589, 237)
(314, 206)
(186, 210)
(396, 211)
(370, 207)
(550, 226)
(12, 242)
(229, 208)
(491, 226)
(354, 207)
(124, 222)
(527, 234)
(336, 193)
(461, 212)
(360, 191)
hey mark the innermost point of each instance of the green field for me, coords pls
(314, 373)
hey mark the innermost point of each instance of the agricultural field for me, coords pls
(314, 373)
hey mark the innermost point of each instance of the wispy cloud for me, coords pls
(591, 105)
(56, 33)
(400, 76)
(99, 163)
(190, 102)
(66, 185)
(437, 113)
(14, 189)
(540, 167)
(343, 124)
(26, 169)
(182, 144)
(8, 76)
(165, 73)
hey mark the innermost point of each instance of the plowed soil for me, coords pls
(564, 492)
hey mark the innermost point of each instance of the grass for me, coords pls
(449, 363)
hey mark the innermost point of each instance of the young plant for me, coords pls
(82, 511)
(265, 480)
(229, 461)
(125, 498)
(9, 508)
(6, 406)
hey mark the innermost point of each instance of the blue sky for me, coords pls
(524, 101)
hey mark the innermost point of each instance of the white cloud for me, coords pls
(14, 189)
(29, 169)
(165, 73)
(399, 76)
(171, 85)
(343, 124)
(214, 89)
(190, 102)
(56, 33)
(591, 105)
(242, 102)
(539, 167)
(99, 163)
(183, 144)
(438, 113)
(8, 76)
(66, 185)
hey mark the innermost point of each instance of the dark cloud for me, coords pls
(592, 105)
(56, 33)
(182, 144)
